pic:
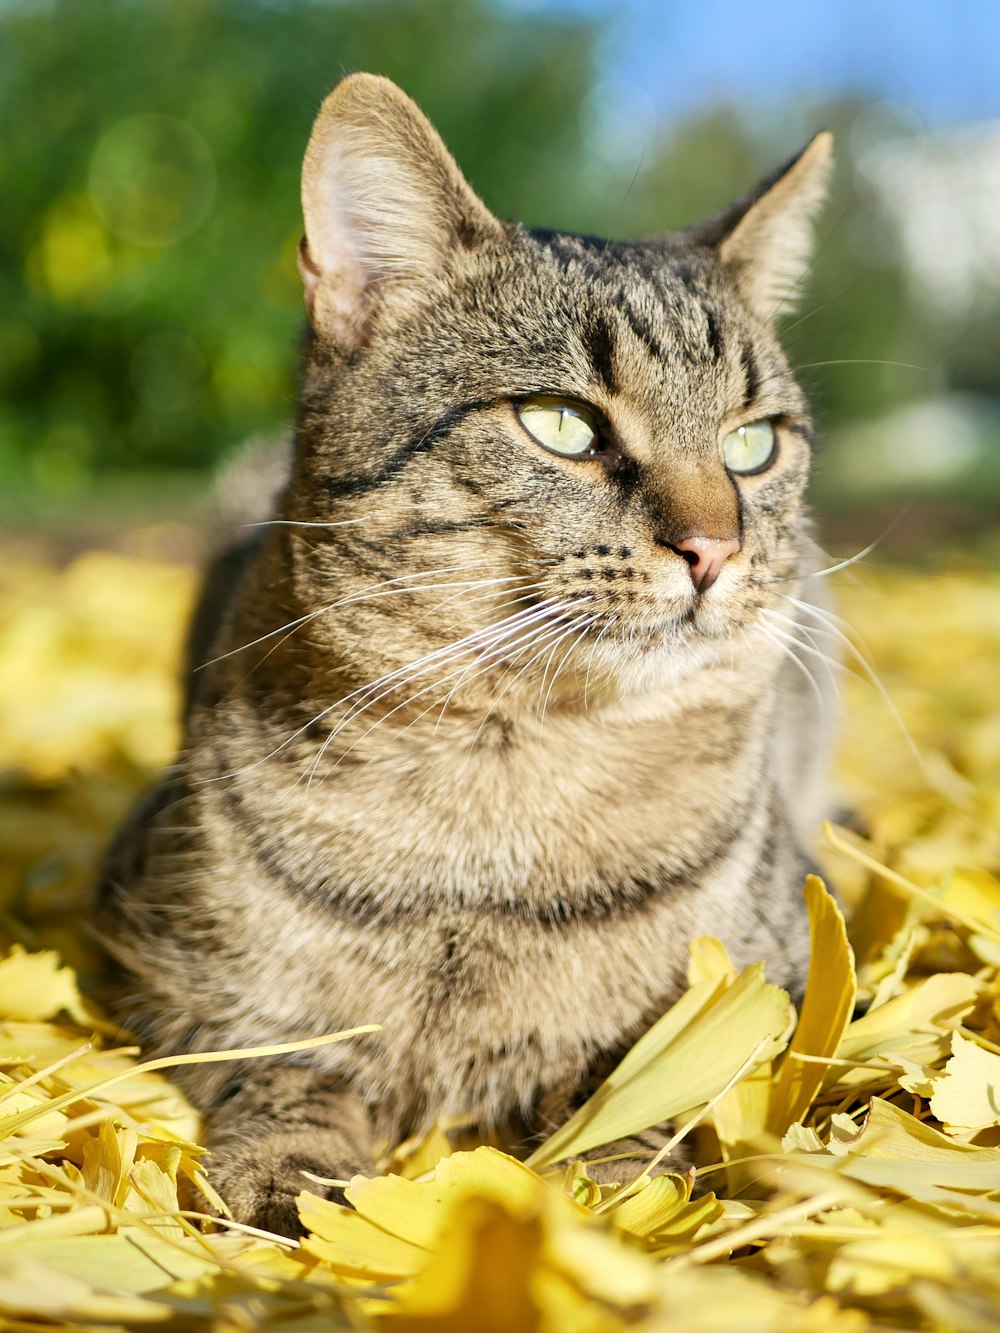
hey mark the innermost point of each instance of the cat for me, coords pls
(495, 717)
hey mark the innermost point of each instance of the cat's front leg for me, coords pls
(268, 1125)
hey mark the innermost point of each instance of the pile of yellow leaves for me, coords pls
(849, 1173)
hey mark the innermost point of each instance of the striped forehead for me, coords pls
(677, 342)
(650, 317)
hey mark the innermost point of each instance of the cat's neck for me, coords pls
(463, 807)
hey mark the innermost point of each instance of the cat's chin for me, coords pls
(682, 631)
(654, 658)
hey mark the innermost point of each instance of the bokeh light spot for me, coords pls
(152, 179)
(71, 260)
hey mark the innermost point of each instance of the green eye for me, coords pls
(558, 426)
(750, 448)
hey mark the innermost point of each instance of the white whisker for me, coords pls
(575, 625)
(291, 625)
(590, 661)
(797, 629)
(501, 650)
(398, 675)
(771, 632)
(301, 523)
(359, 595)
(500, 646)
(854, 559)
(367, 696)
(828, 619)
(517, 593)
(513, 681)
(464, 588)
(845, 564)
(508, 652)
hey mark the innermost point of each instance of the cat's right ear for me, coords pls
(765, 239)
(384, 205)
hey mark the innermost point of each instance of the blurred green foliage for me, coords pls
(149, 302)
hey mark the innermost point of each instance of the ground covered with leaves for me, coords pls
(849, 1173)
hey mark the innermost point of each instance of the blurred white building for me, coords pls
(941, 192)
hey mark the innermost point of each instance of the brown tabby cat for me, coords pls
(499, 714)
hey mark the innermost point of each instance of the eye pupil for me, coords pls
(750, 448)
(562, 428)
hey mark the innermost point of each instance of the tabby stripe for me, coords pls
(751, 374)
(437, 526)
(601, 346)
(802, 431)
(365, 906)
(419, 528)
(645, 334)
(652, 1139)
(361, 483)
(714, 335)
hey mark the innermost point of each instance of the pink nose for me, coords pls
(705, 557)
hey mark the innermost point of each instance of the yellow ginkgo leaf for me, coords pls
(686, 1058)
(641, 1212)
(873, 1209)
(496, 1272)
(484, 1279)
(975, 893)
(728, 1300)
(882, 1263)
(153, 1195)
(107, 1160)
(416, 1157)
(29, 1288)
(916, 1023)
(393, 1223)
(709, 961)
(354, 1247)
(826, 1011)
(412, 1209)
(663, 1213)
(967, 1093)
(36, 986)
(890, 1132)
(131, 1263)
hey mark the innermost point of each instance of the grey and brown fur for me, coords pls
(473, 757)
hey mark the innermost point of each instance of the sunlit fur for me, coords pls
(470, 756)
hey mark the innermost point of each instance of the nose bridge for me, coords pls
(694, 499)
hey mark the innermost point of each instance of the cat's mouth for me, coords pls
(683, 624)
(693, 624)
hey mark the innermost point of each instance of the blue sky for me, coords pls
(940, 59)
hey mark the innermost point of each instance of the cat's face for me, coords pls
(556, 448)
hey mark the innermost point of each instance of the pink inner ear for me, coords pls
(338, 303)
(309, 274)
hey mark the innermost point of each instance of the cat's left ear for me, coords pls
(385, 208)
(765, 239)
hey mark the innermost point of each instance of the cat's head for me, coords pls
(542, 443)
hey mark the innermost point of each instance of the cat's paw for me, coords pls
(632, 1156)
(260, 1183)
